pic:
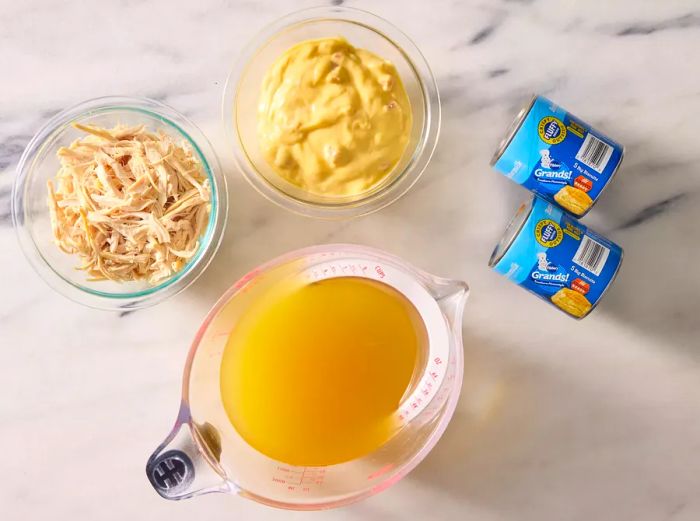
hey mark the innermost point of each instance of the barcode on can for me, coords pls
(594, 153)
(591, 255)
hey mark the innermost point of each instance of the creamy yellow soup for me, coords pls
(333, 120)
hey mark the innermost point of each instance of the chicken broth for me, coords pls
(314, 374)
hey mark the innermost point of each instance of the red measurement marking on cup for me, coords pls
(350, 268)
(380, 271)
(330, 271)
(246, 278)
(299, 479)
(386, 484)
(426, 390)
(380, 472)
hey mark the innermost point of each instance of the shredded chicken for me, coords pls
(130, 203)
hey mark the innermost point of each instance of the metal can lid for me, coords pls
(511, 232)
(513, 129)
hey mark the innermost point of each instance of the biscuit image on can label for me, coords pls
(572, 302)
(573, 199)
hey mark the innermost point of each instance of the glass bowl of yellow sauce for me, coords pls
(332, 112)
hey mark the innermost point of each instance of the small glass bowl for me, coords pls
(30, 213)
(363, 30)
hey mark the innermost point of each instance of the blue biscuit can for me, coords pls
(552, 255)
(558, 156)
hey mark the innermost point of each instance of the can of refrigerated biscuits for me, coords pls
(558, 156)
(551, 254)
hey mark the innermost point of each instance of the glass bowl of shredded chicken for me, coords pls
(119, 202)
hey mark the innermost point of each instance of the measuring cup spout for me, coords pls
(179, 469)
(451, 296)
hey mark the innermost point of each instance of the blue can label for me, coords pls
(560, 260)
(560, 158)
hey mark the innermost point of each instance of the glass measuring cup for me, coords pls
(204, 453)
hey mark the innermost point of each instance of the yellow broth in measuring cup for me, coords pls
(319, 378)
(313, 373)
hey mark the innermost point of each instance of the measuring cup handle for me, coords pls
(178, 469)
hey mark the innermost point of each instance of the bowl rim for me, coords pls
(171, 119)
(424, 149)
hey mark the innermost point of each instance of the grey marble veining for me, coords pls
(559, 420)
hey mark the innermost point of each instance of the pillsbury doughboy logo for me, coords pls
(543, 263)
(547, 273)
(551, 130)
(549, 170)
(547, 161)
(548, 233)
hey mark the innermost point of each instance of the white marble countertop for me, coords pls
(559, 420)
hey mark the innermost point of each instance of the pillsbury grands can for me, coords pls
(557, 258)
(558, 156)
